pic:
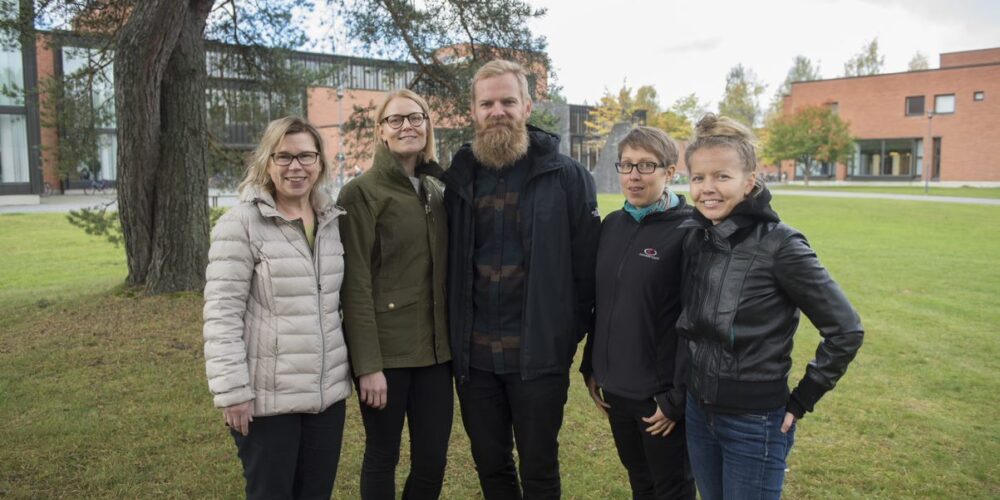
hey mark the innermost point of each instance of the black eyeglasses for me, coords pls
(644, 167)
(396, 121)
(285, 159)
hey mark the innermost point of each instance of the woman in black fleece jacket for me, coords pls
(632, 364)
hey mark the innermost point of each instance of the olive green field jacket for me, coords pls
(395, 252)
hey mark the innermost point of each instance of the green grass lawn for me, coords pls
(102, 393)
(961, 192)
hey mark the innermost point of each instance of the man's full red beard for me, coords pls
(500, 141)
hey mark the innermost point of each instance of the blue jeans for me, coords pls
(736, 457)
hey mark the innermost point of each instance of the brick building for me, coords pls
(237, 107)
(939, 123)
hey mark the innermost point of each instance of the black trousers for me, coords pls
(498, 410)
(293, 455)
(424, 396)
(658, 467)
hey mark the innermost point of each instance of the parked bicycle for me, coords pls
(96, 186)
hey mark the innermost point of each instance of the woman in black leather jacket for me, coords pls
(747, 276)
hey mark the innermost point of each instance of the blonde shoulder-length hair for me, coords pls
(259, 160)
(430, 150)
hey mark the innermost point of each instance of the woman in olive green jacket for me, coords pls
(395, 248)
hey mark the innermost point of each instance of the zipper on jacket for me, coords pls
(725, 271)
(614, 295)
(429, 220)
(319, 310)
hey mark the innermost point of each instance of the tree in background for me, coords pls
(810, 134)
(802, 70)
(623, 105)
(918, 62)
(867, 62)
(740, 100)
(690, 108)
(158, 50)
(158, 53)
(447, 40)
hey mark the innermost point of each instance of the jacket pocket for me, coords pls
(399, 319)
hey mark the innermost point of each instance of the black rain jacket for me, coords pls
(560, 226)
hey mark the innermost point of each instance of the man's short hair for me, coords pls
(500, 67)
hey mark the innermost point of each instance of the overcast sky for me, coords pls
(684, 47)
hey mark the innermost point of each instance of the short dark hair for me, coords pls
(653, 140)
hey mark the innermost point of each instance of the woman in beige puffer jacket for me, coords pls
(275, 355)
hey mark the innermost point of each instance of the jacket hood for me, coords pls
(544, 141)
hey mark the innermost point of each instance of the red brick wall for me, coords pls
(323, 112)
(50, 136)
(875, 108)
(969, 57)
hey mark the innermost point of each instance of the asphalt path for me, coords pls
(65, 203)
(888, 196)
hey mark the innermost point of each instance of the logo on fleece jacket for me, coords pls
(650, 253)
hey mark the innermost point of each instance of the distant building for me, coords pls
(943, 123)
(237, 109)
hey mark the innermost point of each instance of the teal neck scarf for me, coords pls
(667, 201)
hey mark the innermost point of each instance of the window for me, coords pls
(978, 95)
(915, 105)
(834, 107)
(887, 158)
(97, 86)
(11, 76)
(920, 157)
(13, 124)
(944, 104)
(13, 149)
(936, 171)
(817, 169)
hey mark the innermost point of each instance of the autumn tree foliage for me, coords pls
(623, 105)
(807, 135)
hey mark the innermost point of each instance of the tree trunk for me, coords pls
(162, 180)
(807, 169)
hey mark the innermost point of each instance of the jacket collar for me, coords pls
(755, 208)
(321, 200)
(386, 163)
(543, 147)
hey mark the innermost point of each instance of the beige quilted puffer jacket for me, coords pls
(272, 309)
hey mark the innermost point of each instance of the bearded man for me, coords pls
(523, 238)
